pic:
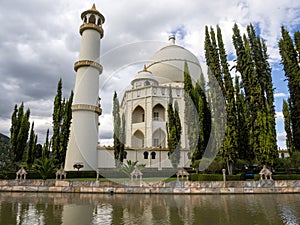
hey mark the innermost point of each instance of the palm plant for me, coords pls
(45, 167)
(129, 167)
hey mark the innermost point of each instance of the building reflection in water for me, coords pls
(49, 208)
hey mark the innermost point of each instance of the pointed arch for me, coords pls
(137, 139)
(159, 138)
(138, 115)
(158, 112)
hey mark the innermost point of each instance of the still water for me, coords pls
(118, 209)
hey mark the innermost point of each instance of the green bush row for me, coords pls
(36, 175)
(213, 177)
(219, 177)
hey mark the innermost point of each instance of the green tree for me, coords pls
(287, 126)
(46, 146)
(252, 64)
(173, 132)
(290, 61)
(62, 117)
(19, 132)
(57, 121)
(118, 132)
(65, 128)
(31, 147)
(242, 128)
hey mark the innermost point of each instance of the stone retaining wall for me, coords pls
(160, 187)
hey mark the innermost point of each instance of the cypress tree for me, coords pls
(31, 146)
(290, 62)
(62, 117)
(242, 124)
(57, 120)
(46, 147)
(14, 130)
(287, 126)
(173, 132)
(190, 113)
(256, 77)
(229, 149)
(118, 149)
(65, 128)
(22, 135)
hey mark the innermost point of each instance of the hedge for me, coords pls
(213, 177)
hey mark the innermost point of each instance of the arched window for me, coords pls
(282, 155)
(138, 115)
(159, 138)
(146, 83)
(158, 113)
(92, 19)
(153, 154)
(146, 154)
(137, 139)
(124, 155)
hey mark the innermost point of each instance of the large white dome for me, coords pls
(168, 63)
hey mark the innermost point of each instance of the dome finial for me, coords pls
(145, 68)
(172, 39)
(94, 7)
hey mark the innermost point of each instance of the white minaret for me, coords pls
(82, 147)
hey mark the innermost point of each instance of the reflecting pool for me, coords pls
(81, 209)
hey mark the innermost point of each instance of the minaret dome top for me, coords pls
(93, 11)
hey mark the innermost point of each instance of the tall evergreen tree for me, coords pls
(31, 146)
(287, 127)
(65, 128)
(118, 145)
(57, 120)
(229, 148)
(290, 62)
(173, 132)
(190, 114)
(46, 147)
(62, 116)
(256, 77)
(19, 132)
(242, 129)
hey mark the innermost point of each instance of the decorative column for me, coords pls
(82, 147)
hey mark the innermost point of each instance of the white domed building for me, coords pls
(145, 108)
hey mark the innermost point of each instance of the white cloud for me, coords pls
(279, 116)
(280, 95)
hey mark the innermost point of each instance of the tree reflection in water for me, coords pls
(64, 208)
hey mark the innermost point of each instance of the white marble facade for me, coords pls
(145, 108)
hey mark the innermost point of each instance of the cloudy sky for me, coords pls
(40, 42)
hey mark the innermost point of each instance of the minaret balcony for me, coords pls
(90, 63)
(92, 26)
(85, 107)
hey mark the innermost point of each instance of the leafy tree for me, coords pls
(252, 64)
(119, 136)
(289, 52)
(65, 128)
(62, 116)
(57, 121)
(287, 127)
(31, 146)
(19, 132)
(190, 113)
(173, 132)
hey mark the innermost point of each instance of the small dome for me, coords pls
(168, 63)
(144, 75)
